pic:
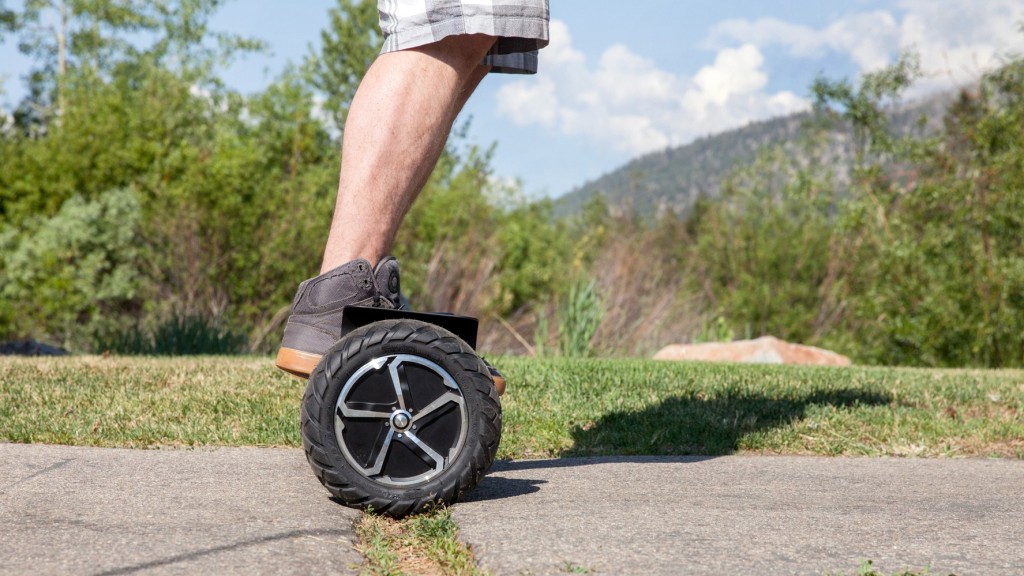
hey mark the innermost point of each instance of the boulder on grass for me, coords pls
(764, 350)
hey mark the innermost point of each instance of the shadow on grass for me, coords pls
(694, 425)
(679, 430)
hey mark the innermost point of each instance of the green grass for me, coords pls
(597, 407)
(554, 407)
(422, 544)
(144, 402)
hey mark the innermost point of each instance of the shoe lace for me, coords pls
(379, 301)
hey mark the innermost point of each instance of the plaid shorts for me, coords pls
(521, 27)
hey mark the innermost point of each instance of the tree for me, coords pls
(933, 263)
(8, 20)
(154, 118)
(87, 36)
(763, 249)
(100, 40)
(348, 46)
(866, 107)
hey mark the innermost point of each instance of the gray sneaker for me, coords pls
(315, 321)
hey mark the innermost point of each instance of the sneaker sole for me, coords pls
(302, 364)
(296, 362)
(499, 380)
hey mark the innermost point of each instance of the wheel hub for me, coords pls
(400, 420)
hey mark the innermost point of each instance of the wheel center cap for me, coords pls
(401, 420)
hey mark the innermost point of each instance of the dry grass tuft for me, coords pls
(426, 544)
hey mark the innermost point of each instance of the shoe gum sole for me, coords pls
(302, 364)
(297, 362)
(499, 380)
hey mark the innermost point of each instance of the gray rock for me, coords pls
(30, 348)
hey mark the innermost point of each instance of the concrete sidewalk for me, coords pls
(227, 511)
(260, 511)
(748, 515)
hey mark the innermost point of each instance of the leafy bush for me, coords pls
(63, 277)
(716, 329)
(179, 335)
(762, 252)
(932, 256)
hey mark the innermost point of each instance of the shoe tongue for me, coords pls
(388, 283)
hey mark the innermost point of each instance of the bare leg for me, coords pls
(397, 127)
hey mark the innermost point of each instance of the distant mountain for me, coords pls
(675, 178)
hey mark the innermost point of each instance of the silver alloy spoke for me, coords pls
(437, 458)
(436, 404)
(347, 412)
(382, 456)
(398, 380)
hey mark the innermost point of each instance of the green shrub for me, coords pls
(63, 277)
(763, 250)
(716, 329)
(579, 318)
(179, 335)
(932, 258)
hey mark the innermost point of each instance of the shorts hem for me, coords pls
(533, 31)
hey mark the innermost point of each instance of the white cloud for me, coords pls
(957, 39)
(735, 71)
(530, 103)
(627, 102)
(868, 38)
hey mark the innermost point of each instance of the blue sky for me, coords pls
(616, 83)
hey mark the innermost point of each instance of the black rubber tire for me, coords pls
(424, 340)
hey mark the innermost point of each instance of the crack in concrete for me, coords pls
(48, 469)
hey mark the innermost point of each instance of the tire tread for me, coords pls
(470, 466)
